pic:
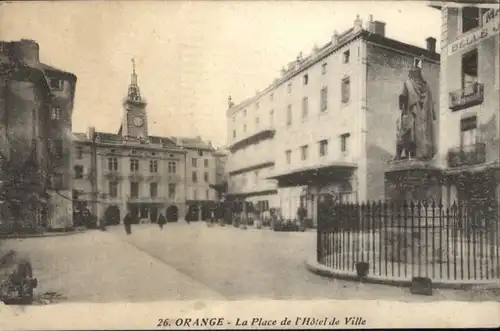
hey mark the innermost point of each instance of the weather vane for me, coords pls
(133, 65)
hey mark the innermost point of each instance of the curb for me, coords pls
(313, 266)
(42, 235)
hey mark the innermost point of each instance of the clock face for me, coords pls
(137, 121)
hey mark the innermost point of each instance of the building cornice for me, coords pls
(260, 165)
(329, 48)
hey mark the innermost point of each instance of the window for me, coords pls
(344, 142)
(468, 131)
(324, 99)
(78, 171)
(469, 68)
(200, 153)
(305, 107)
(134, 189)
(171, 191)
(345, 90)
(205, 177)
(271, 96)
(194, 176)
(207, 194)
(113, 189)
(56, 113)
(134, 165)
(288, 156)
(323, 68)
(256, 176)
(244, 128)
(56, 84)
(58, 148)
(153, 166)
(257, 120)
(346, 56)
(271, 117)
(153, 189)
(195, 194)
(193, 162)
(79, 152)
(244, 112)
(470, 18)
(257, 105)
(205, 163)
(289, 88)
(323, 147)
(305, 78)
(112, 164)
(289, 115)
(234, 133)
(304, 151)
(172, 167)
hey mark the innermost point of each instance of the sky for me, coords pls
(190, 55)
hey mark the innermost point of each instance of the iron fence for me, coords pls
(411, 239)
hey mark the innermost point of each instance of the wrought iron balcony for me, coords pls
(145, 199)
(467, 155)
(469, 96)
(110, 174)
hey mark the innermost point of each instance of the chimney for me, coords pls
(335, 38)
(91, 132)
(28, 52)
(358, 24)
(379, 28)
(369, 25)
(431, 44)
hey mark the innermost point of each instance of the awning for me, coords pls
(243, 195)
(315, 174)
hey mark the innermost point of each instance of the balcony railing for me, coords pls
(469, 96)
(467, 155)
(143, 199)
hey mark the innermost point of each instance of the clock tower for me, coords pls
(134, 123)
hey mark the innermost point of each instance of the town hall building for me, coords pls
(133, 171)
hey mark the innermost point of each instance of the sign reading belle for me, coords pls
(415, 126)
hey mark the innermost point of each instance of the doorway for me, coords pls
(172, 213)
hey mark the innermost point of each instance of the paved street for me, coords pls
(194, 262)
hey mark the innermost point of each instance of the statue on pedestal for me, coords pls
(415, 126)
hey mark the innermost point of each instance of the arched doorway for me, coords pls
(172, 213)
(193, 214)
(112, 215)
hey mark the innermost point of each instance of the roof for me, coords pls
(48, 68)
(79, 136)
(193, 143)
(328, 48)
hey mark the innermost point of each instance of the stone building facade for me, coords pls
(134, 171)
(36, 106)
(469, 153)
(328, 124)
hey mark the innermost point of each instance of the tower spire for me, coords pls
(133, 80)
(134, 93)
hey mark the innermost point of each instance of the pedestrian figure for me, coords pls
(162, 221)
(127, 221)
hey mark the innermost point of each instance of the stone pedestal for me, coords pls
(412, 180)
